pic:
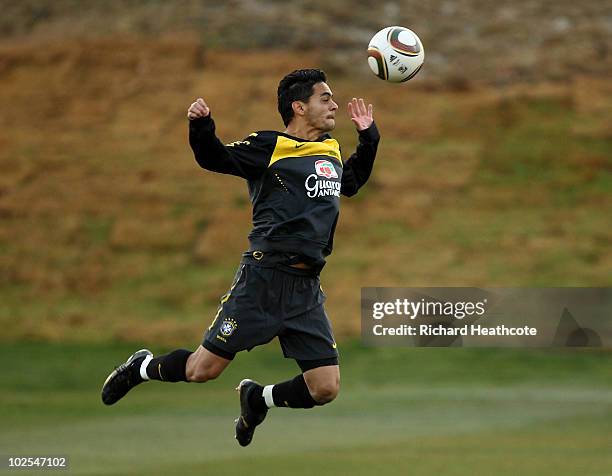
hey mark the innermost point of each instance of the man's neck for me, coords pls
(303, 132)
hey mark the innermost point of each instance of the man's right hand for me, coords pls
(197, 110)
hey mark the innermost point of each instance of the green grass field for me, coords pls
(400, 411)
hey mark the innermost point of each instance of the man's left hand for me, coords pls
(360, 115)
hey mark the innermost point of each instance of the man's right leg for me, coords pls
(203, 365)
(177, 366)
(184, 366)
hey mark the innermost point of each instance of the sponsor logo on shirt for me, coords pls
(325, 169)
(317, 186)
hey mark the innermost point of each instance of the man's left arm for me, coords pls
(358, 167)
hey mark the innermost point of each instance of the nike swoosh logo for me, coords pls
(297, 146)
(334, 345)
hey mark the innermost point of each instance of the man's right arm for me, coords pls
(243, 159)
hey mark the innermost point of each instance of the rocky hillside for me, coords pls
(466, 41)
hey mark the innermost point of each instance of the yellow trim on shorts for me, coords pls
(225, 297)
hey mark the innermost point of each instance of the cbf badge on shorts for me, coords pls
(228, 326)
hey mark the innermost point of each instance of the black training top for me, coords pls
(294, 184)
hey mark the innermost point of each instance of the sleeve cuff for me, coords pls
(202, 123)
(370, 134)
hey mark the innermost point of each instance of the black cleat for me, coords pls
(124, 378)
(249, 418)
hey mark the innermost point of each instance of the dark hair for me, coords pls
(297, 86)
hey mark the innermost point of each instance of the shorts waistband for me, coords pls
(281, 261)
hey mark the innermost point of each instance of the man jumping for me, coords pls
(295, 179)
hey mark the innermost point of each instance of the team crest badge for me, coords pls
(325, 168)
(228, 326)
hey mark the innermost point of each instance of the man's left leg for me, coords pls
(307, 338)
(314, 387)
(317, 385)
(323, 383)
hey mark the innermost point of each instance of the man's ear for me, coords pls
(298, 108)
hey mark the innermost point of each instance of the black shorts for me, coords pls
(268, 299)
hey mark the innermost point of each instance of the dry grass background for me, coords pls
(109, 230)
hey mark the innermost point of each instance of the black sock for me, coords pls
(293, 393)
(256, 400)
(169, 367)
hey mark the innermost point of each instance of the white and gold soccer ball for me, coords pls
(395, 54)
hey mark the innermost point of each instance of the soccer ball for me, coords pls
(395, 54)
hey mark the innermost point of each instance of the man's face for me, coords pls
(321, 109)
